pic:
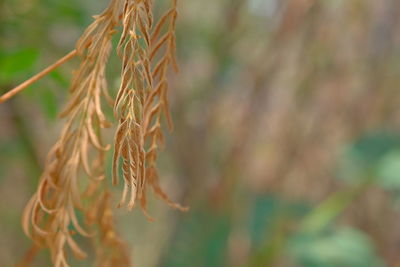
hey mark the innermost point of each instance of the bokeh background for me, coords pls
(286, 144)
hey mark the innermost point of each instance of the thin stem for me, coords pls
(37, 77)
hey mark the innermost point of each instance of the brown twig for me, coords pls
(37, 77)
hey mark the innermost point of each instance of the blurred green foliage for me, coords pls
(334, 247)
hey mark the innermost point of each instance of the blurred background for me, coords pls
(286, 144)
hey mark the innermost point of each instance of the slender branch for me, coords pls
(37, 77)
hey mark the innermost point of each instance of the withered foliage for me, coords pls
(50, 217)
(142, 99)
(110, 249)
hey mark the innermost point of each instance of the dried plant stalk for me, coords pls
(142, 99)
(51, 212)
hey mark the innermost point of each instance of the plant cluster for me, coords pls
(147, 51)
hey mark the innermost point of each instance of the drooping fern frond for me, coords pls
(51, 212)
(142, 99)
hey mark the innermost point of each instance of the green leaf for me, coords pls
(49, 103)
(16, 63)
(388, 171)
(57, 76)
(361, 158)
(337, 247)
(328, 210)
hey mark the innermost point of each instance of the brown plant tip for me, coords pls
(142, 100)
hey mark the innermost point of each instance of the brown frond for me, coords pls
(142, 99)
(51, 213)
